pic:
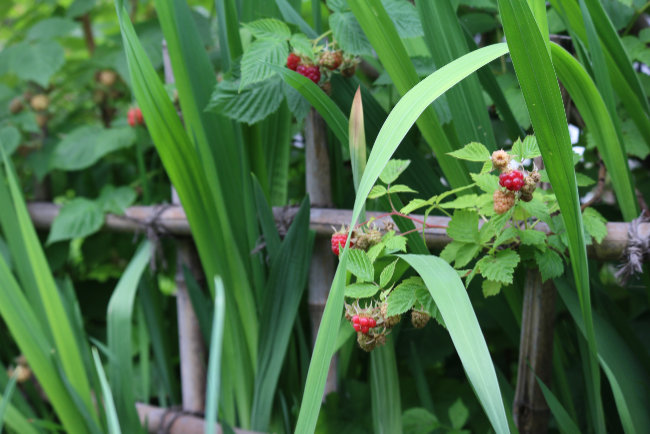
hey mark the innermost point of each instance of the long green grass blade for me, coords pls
(214, 364)
(451, 297)
(228, 28)
(539, 85)
(627, 377)
(5, 399)
(285, 285)
(385, 390)
(592, 107)
(399, 122)
(564, 421)
(58, 322)
(446, 41)
(119, 319)
(107, 397)
(384, 38)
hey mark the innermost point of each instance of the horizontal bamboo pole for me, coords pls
(171, 219)
(158, 420)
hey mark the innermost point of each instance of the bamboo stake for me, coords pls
(321, 268)
(171, 220)
(159, 420)
(530, 411)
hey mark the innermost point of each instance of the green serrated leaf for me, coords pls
(536, 208)
(465, 201)
(78, 218)
(583, 180)
(413, 205)
(395, 243)
(387, 274)
(493, 227)
(463, 226)
(361, 290)
(257, 60)
(531, 237)
(499, 267)
(375, 251)
(269, 28)
(505, 236)
(301, 45)
(377, 191)
(458, 414)
(348, 34)
(526, 149)
(249, 105)
(360, 265)
(550, 264)
(401, 188)
(450, 251)
(402, 297)
(466, 253)
(595, 224)
(490, 288)
(116, 200)
(472, 151)
(9, 139)
(486, 181)
(393, 170)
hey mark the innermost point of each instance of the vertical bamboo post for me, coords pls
(318, 186)
(530, 411)
(190, 342)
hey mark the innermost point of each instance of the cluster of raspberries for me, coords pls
(362, 240)
(328, 62)
(514, 182)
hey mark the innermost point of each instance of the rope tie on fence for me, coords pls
(153, 230)
(175, 412)
(637, 250)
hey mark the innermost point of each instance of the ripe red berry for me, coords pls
(363, 321)
(372, 322)
(364, 329)
(512, 180)
(357, 327)
(134, 116)
(293, 61)
(310, 71)
(338, 241)
(355, 319)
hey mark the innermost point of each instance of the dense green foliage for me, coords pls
(97, 115)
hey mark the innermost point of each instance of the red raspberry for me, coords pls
(372, 322)
(355, 319)
(338, 241)
(357, 327)
(512, 180)
(363, 321)
(310, 71)
(293, 61)
(364, 329)
(134, 116)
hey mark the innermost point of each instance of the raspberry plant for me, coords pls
(494, 229)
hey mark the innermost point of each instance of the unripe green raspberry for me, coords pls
(500, 160)
(503, 201)
(366, 342)
(389, 321)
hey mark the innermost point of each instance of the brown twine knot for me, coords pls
(637, 250)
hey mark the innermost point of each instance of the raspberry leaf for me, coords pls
(361, 290)
(387, 274)
(531, 237)
(550, 264)
(465, 201)
(595, 224)
(375, 251)
(402, 297)
(486, 181)
(393, 170)
(377, 191)
(401, 188)
(348, 33)
(458, 414)
(505, 236)
(490, 288)
(394, 243)
(466, 253)
(500, 267)
(256, 64)
(301, 45)
(472, 151)
(423, 297)
(450, 252)
(413, 205)
(463, 226)
(526, 149)
(360, 265)
(269, 28)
